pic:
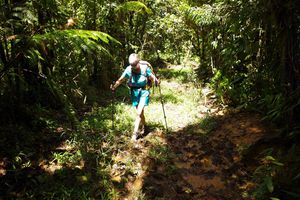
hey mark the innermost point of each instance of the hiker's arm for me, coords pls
(154, 79)
(117, 83)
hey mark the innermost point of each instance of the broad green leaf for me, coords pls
(269, 184)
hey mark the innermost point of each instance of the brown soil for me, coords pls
(206, 168)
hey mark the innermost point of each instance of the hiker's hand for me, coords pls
(112, 87)
(157, 82)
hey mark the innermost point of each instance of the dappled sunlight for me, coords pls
(205, 165)
(180, 101)
(62, 167)
(224, 70)
(50, 167)
(255, 130)
(183, 74)
(199, 158)
(2, 168)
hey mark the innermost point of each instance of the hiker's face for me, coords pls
(135, 66)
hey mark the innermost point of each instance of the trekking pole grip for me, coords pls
(112, 106)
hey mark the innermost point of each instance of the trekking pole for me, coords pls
(113, 110)
(163, 107)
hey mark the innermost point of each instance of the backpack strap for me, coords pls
(129, 83)
(149, 81)
(142, 72)
(143, 62)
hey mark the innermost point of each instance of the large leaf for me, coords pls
(73, 34)
(83, 39)
(269, 184)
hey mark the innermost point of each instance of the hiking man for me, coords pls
(137, 73)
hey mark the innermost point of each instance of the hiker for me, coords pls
(137, 73)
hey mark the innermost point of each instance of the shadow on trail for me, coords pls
(193, 165)
(21, 151)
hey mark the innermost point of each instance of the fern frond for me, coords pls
(84, 39)
(201, 16)
(134, 6)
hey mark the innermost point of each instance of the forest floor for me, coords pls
(201, 156)
(189, 166)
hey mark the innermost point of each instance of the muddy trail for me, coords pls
(201, 158)
(187, 165)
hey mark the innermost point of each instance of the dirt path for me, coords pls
(206, 168)
(197, 160)
(186, 165)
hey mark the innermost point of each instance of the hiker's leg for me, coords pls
(143, 121)
(140, 118)
(145, 100)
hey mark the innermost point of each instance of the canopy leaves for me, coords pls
(201, 16)
(134, 6)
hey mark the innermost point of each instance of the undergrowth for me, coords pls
(67, 162)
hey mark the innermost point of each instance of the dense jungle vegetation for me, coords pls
(59, 57)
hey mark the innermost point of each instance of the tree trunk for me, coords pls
(288, 24)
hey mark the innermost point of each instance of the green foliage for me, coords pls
(76, 38)
(208, 124)
(274, 105)
(56, 54)
(241, 50)
(100, 118)
(264, 174)
(159, 154)
(184, 74)
(64, 158)
(134, 6)
(200, 16)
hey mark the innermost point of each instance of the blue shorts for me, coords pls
(139, 96)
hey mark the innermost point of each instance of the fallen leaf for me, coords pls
(116, 179)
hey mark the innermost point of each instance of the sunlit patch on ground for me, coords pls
(50, 167)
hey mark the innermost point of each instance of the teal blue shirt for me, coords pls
(140, 79)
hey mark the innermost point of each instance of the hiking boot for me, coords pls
(134, 136)
(145, 130)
